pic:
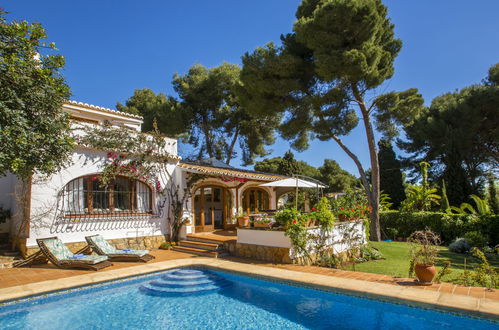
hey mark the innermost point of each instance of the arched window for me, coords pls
(255, 200)
(85, 196)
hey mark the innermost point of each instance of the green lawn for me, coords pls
(396, 261)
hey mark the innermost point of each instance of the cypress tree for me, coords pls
(391, 178)
(493, 202)
(445, 201)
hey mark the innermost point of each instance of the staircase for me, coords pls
(180, 282)
(201, 246)
(7, 256)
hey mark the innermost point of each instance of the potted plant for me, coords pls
(262, 221)
(286, 216)
(423, 254)
(243, 220)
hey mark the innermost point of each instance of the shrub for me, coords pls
(448, 226)
(476, 239)
(369, 253)
(286, 216)
(460, 245)
(323, 214)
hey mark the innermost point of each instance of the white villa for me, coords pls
(71, 205)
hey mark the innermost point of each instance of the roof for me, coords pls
(102, 109)
(229, 172)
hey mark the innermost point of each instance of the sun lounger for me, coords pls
(59, 254)
(100, 246)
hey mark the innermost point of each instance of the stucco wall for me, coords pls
(277, 239)
(44, 207)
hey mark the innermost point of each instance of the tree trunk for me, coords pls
(231, 148)
(207, 138)
(374, 200)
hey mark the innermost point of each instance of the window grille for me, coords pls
(85, 197)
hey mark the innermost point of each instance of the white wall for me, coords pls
(276, 238)
(273, 238)
(44, 207)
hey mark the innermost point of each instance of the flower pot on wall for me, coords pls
(425, 273)
(243, 221)
(260, 225)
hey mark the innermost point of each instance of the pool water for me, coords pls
(190, 298)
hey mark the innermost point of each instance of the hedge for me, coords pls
(396, 224)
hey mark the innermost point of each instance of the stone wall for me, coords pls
(136, 243)
(259, 252)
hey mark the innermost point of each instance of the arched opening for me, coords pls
(255, 200)
(85, 196)
(212, 207)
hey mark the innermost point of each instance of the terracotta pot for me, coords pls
(342, 218)
(243, 221)
(311, 222)
(425, 273)
(260, 225)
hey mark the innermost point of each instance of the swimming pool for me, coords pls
(197, 298)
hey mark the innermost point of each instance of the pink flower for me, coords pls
(94, 178)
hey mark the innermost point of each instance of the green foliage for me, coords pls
(34, 130)
(323, 214)
(142, 156)
(448, 226)
(164, 110)
(445, 206)
(384, 201)
(444, 271)
(390, 173)
(330, 173)
(423, 248)
(482, 207)
(336, 178)
(339, 50)
(485, 275)
(287, 216)
(217, 121)
(492, 193)
(421, 197)
(476, 239)
(368, 252)
(460, 245)
(458, 133)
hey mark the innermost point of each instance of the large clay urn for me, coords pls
(425, 273)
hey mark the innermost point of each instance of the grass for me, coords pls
(396, 262)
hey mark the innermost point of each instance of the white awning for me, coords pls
(293, 182)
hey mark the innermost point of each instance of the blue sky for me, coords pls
(114, 47)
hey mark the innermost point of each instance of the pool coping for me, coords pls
(480, 307)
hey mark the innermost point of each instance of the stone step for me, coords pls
(199, 252)
(193, 238)
(201, 245)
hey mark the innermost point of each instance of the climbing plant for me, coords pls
(144, 157)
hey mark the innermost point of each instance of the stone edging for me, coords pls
(481, 307)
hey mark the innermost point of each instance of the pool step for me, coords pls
(200, 252)
(184, 282)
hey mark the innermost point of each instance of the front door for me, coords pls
(211, 207)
